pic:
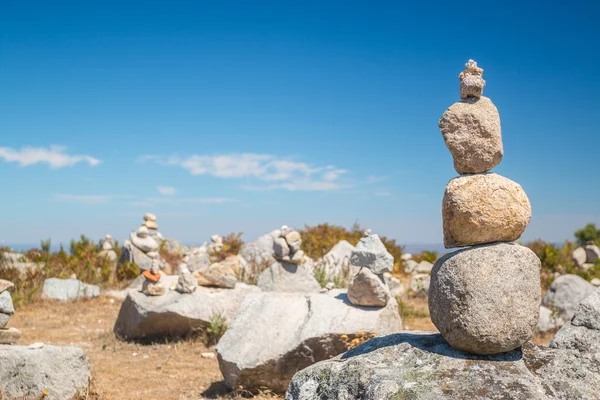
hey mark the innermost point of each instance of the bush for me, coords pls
(426, 255)
(83, 260)
(216, 329)
(319, 240)
(232, 244)
(588, 234)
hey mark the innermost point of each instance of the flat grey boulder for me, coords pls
(62, 372)
(287, 277)
(174, 314)
(337, 261)
(422, 366)
(275, 335)
(256, 256)
(565, 294)
(68, 290)
(582, 333)
(6, 304)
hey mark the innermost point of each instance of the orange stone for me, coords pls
(150, 276)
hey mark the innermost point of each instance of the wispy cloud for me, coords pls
(277, 172)
(86, 198)
(166, 190)
(55, 156)
(382, 194)
(375, 179)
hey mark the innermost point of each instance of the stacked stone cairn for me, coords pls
(286, 245)
(216, 244)
(152, 285)
(484, 299)
(7, 335)
(109, 252)
(586, 256)
(368, 287)
(142, 246)
(186, 283)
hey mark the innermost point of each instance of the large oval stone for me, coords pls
(471, 130)
(486, 299)
(484, 208)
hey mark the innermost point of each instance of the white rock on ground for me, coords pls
(394, 285)
(549, 321)
(422, 366)
(592, 253)
(410, 266)
(174, 314)
(579, 255)
(257, 255)
(336, 261)
(419, 284)
(565, 294)
(424, 267)
(286, 277)
(582, 333)
(62, 372)
(277, 334)
(68, 289)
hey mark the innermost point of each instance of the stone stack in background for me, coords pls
(368, 287)
(484, 299)
(7, 335)
(143, 245)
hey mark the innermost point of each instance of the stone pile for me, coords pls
(216, 244)
(368, 287)
(287, 274)
(142, 246)
(586, 256)
(186, 282)
(7, 335)
(109, 252)
(582, 333)
(152, 285)
(484, 299)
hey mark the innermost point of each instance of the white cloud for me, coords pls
(178, 201)
(278, 172)
(166, 190)
(382, 194)
(55, 157)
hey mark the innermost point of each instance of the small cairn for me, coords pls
(483, 299)
(142, 246)
(286, 245)
(7, 335)
(368, 287)
(152, 285)
(108, 251)
(186, 283)
(216, 244)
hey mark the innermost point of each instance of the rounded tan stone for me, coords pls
(483, 208)
(471, 130)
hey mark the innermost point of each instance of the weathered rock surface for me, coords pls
(5, 285)
(62, 372)
(486, 299)
(592, 253)
(68, 289)
(471, 81)
(175, 246)
(4, 318)
(471, 130)
(483, 208)
(548, 321)
(424, 267)
(370, 252)
(174, 314)
(582, 333)
(256, 256)
(198, 260)
(132, 254)
(422, 366)
(565, 294)
(410, 266)
(368, 289)
(168, 281)
(286, 277)
(277, 334)
(222, 274)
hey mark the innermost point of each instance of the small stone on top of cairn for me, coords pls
(484, 299)
(152, 285)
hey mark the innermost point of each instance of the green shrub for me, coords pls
(216, 329)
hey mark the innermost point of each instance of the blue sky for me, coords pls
(243, 116)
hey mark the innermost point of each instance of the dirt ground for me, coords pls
(124, 370)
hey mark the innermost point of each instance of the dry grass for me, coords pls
(123, 370)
